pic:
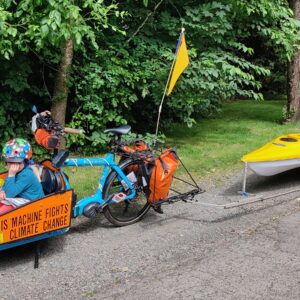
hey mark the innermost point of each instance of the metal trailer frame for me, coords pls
(247, 198)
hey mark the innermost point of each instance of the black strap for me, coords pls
(163, 165)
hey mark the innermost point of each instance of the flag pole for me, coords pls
(165, 91)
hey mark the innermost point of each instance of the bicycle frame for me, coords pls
(109, 164)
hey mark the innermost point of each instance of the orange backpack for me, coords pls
(162, 175)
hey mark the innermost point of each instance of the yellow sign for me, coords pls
(41, 216)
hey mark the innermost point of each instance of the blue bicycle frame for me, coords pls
(109, 164)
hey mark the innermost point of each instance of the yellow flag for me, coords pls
(181, 62)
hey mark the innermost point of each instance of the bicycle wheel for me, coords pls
(125, 212)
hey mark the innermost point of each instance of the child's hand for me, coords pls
(14, 168)
(2, 195)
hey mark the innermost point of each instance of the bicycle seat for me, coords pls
(119, 130)
(60, 158)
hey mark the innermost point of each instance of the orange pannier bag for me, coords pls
(44, 138)
(162, 175)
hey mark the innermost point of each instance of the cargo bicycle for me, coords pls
(122, 194)
(123, 201)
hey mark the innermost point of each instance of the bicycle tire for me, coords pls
(125, 212)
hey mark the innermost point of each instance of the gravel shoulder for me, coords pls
(189, 252)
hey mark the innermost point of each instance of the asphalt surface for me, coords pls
(189, 252)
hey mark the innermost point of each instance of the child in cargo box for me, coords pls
(21, 184)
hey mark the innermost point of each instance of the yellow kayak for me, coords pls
(280, 155)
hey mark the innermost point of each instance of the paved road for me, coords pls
(190, 252)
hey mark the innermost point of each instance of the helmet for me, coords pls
(16, 150)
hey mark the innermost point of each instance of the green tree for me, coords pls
(74, 49)
(293, 104)
(51, 29)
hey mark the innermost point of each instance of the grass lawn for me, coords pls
(215, 146)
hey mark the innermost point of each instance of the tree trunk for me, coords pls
(60, 95)
(293, 104)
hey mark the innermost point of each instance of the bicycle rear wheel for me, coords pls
(125, 212)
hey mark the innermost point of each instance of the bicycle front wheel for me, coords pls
(125, 212)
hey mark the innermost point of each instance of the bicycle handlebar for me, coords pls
(73, 130)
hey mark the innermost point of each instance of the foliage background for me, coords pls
(238, 49)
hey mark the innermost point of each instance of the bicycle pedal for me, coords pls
(92, 209)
